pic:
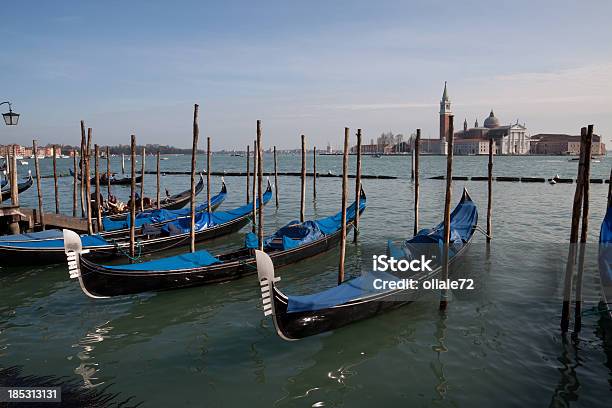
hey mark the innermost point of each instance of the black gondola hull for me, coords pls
(15, 256)
(173, 203)
(298, 325)
(21, 187)
(101, 281)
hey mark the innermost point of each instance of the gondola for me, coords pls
(115, 181)
(175, 202)
(296, 317)
(21, 187)
(288, 245)
(169, 236)
(605, 262)
(114, 229)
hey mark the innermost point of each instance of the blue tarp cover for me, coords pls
(605, 253)
(295, 234)
(349, 290)
(463, 218)
(156, 216)
(206, 220)
(86, 241)
(183, 261)
(47, 234)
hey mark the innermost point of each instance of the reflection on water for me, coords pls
(88, 367)
(437, 366)
(568, 386)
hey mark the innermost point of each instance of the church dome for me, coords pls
(491, 122)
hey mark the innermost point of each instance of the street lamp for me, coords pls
(10, 118)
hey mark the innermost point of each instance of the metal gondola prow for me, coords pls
(74, 249)
(466, 195)
(265, 273)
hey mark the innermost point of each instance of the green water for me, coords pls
(211, 346)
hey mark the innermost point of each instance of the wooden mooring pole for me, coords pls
(14, 179)
(610, 189)
(194, 152)
(75, 183)
(344, 194)
(12, 169)
(576, 211)
(416, 149)
(275, 178)
(41, 214)
(254, 195)
(248, 174)
(584, 230)
(55, 189)
(98, 188)
(259, 188)
(82, 169)
(88, 181)
(314, 173)
(490, 191)
(447, 210)
(4, 172)
(142, 178)
(108, 173)
(303, 185)
(357, 187)
(157, 197)
(412, 163)
(132, 199)
(208, 174)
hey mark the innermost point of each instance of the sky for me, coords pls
(313, 68)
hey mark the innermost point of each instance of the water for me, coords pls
(211, 346)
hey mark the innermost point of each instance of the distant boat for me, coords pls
(164, 158)
(593, 159)
(377, 156)
(23, 162)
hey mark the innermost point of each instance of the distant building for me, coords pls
(508, 139)
(511, 139)
(562, 144)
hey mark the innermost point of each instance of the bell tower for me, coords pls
(445, 112)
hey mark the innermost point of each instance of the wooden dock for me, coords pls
(27, 216)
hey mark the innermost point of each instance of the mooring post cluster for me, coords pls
(580, 209)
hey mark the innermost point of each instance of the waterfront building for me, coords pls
(562, 144)
(511, 139)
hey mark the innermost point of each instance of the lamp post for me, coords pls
(10, 118)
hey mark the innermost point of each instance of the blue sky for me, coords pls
(301, 67)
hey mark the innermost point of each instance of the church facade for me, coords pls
(511, 139)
